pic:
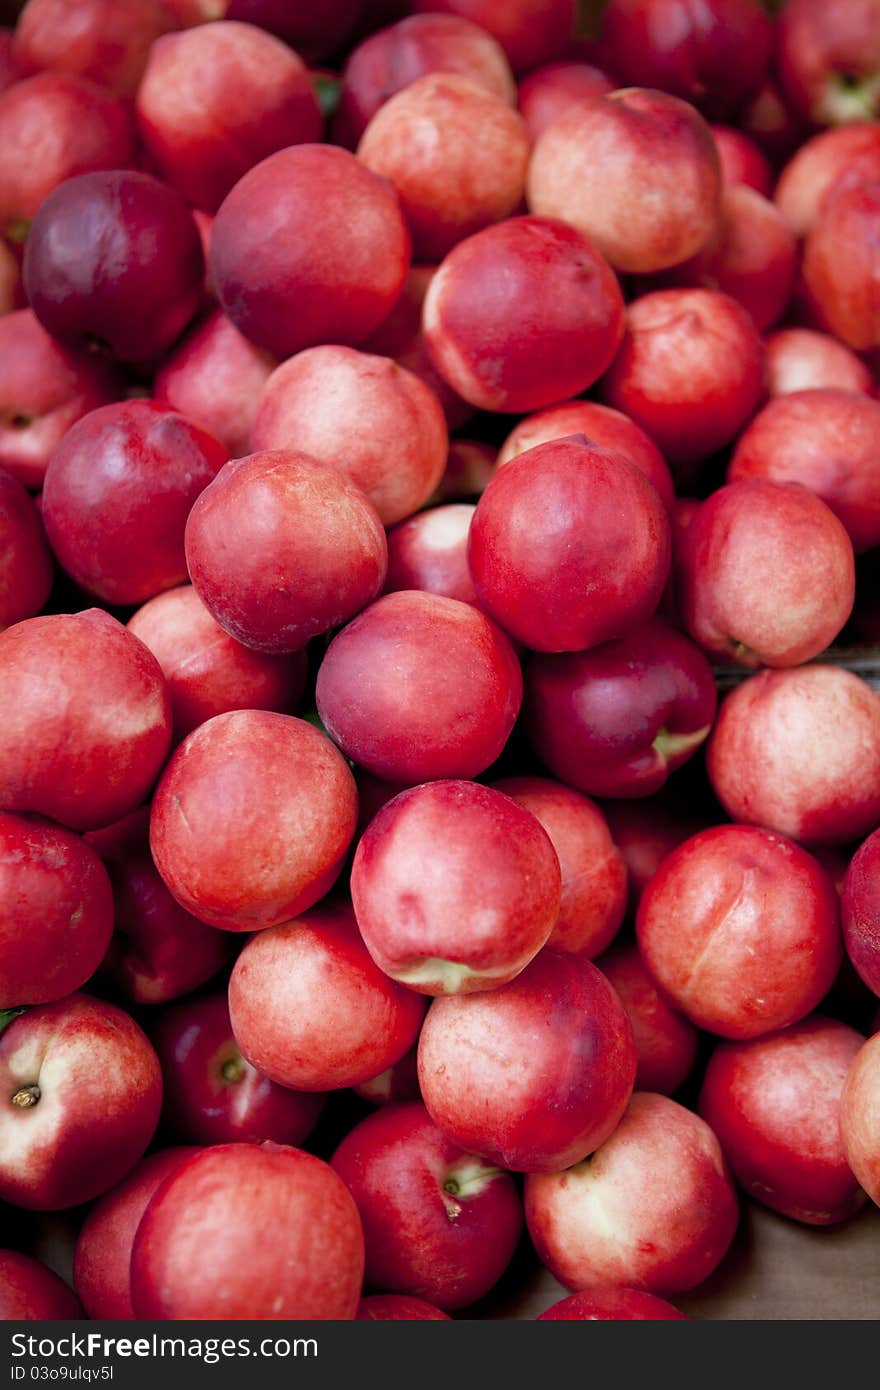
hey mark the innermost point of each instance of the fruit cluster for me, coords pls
(410, 410)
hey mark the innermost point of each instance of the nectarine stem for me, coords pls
(26, 1097)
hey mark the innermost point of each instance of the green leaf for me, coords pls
(8, 1015)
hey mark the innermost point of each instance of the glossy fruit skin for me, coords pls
(522, 315)
(400, 337)
(56, 911)
(455, 888)
(775, 1105)
(227, 1199)
(93, 1067)
(207, 671)
(645, 831)
(860, 911)
(428, 551)
(456, 154)
(102, 1257)
(841, 264)
(114, 260)
(601, 425)
(800, 359)
(311, 1010)
(666, 1041)
(107, 41)
(611, 1305)
(742, 159)
(211, 1094)
(529, 31)
(309, 247)
(760, 770)
(214, 377)
(753, 257)
(654, 1208)
(547, 91)
(637, 172)
(117, 494)
(438, 1224)
(740, 928)
(751, 583)
(826, 440)
(215, 100)
(399, 1082)
(45, 387)
(52, 127)
(393, 57)
(827, 57)
(713, 55)
(560, 1029)
(281, 548)
(64, 752)
(594, 876)
(373, 420)
(617, 719)
(860, 1117)
(158, 951)
(26, 569)
(469, 466)
(832, 159)
(426, 723)
(569, 546)
(295, 809)
(29, 1292)
(689, 370)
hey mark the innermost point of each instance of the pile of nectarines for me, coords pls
(439, 446)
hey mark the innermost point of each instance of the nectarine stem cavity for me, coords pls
(232, 1069)
(469, 1179)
